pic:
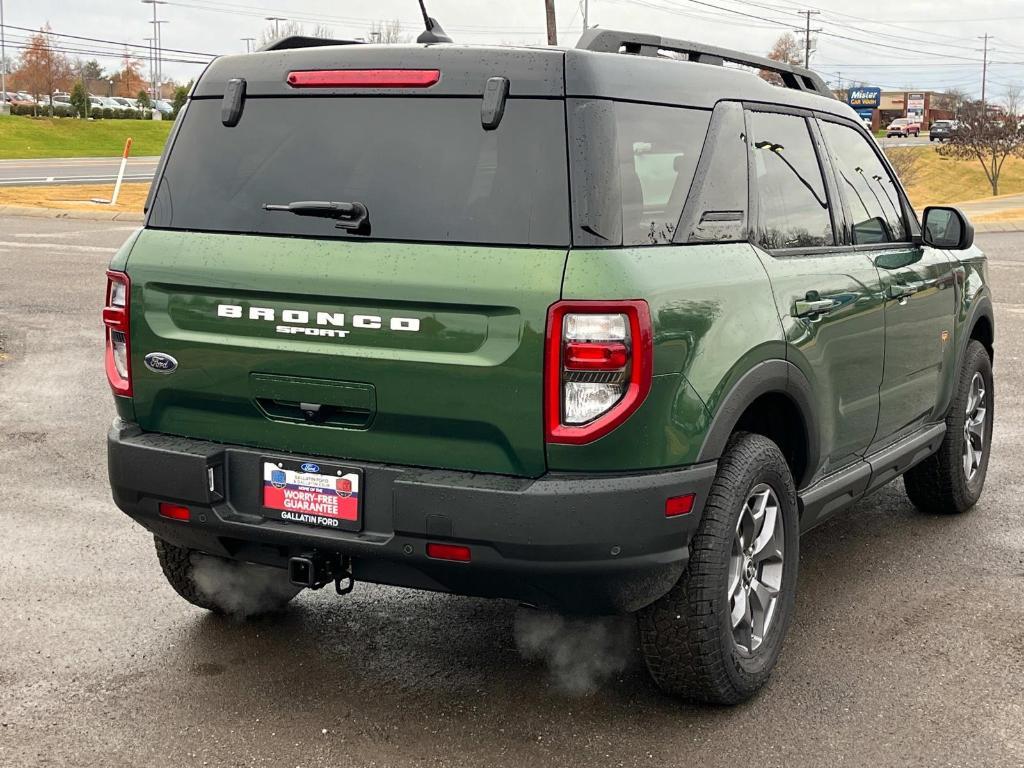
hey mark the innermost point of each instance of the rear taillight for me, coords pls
(598, 367)
(115, 318)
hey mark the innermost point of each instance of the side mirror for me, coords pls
(947, 228)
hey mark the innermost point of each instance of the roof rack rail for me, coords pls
(613, 41)
(302, 41)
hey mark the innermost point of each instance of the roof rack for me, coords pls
(613, 41)
(302, 41)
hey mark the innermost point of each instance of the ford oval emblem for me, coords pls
(308, 467)
(158, 362)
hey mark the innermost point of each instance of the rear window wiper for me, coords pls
(349, 215)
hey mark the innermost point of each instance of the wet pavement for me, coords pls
(906, 649)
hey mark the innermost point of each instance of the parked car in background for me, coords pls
(942, 130)
(165, 107)
(903, 127)
(22, 99)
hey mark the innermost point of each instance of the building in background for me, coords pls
(882, 107)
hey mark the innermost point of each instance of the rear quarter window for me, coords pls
(632, 167)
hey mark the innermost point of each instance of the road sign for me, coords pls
(868, 98)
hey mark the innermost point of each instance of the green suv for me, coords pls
(600, 330)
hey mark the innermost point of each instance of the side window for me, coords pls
(658, 149)
(871, 194)
(792, 203)
(631, 167)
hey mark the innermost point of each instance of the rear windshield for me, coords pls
(424, 168)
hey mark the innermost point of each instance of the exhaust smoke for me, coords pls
(242, 589)
(581, 653)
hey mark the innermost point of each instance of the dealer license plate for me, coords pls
(311, 493)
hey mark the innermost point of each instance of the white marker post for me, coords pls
(120, 173)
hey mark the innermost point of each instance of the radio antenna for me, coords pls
(432, 33)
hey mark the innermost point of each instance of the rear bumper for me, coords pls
(579, 543)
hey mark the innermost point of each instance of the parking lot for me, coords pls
(906, 648)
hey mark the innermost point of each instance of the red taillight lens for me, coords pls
(364, 78)
(115, 318)
(174, 511)
(596, 355)
(598, 367)
(679, 505)
(453, 552)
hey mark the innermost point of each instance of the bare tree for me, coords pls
(274, 32)
(952, 99)
(987, 137)
(322, 30)
(1012, 99)
(786, 50)
(388, 33)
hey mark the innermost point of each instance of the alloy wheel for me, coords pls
(755, 568)
(974, 427)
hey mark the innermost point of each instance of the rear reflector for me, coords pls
(448, 552)
(364, 78)
(174, 511)
(679, 505)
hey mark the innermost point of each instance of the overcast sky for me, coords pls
(915, 43)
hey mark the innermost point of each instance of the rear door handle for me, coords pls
(811, 308)
(901, 290)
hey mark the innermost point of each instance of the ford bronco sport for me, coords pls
(600, 330)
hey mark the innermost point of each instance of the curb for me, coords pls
(66, 213)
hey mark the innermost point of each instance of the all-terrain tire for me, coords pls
(686, 637)
(224, 587)
(939, 484)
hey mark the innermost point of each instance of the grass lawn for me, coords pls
(945, 180)
(27, 137)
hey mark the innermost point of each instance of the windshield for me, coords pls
(423, 168)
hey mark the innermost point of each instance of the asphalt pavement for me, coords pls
(906, 649)
(906, 141)
(74, 170)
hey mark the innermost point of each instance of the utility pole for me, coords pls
(3, 64)
(277, 25)
(150, 43)
(984, 69)
(248, 43)
(157, 73)
(586, 15)
(549, 8)
(807, 35)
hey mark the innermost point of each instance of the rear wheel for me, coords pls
(226, 587)
(951, 481)
(716, 636)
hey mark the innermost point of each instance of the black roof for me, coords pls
(611, 64)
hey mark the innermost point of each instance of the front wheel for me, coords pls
(226, 587)
(951, 481)
(715, 637)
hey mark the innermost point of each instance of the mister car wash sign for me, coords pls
(864, 98)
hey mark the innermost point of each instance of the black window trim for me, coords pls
(692, 209)
(754, 211)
